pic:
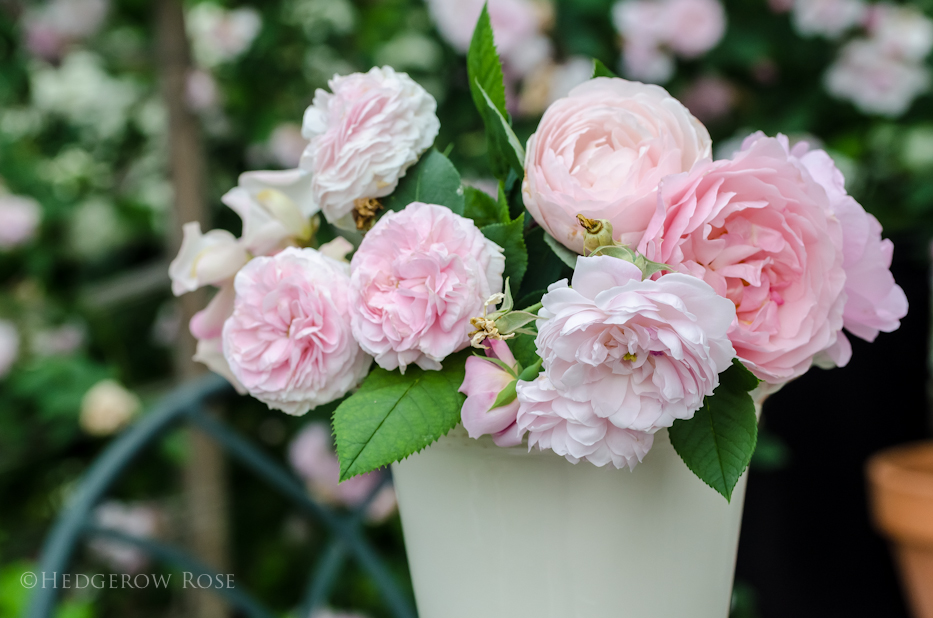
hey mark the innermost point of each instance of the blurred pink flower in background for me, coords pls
(654, 30)
(51, 27)
(364, 135)
(780, 6)
(220, 35)
(19, 219)
(140, 520)
(201, 91)
(902, 31)
(311, 454)
(61, 340)
(9, 346)
(332, 613)
(828, 18)
(550, 82)
(875, 82)
(709, 98)
(418, 277)
(517, 26)
(286, 144)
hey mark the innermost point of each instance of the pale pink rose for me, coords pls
(276, 209)
(364, 135)
(602, 151)
(418, 277)
(874, 302)
(205, 259)
(481, 384)
(710, 98)
(311, 454)
(874, 81)
(19, 220)
(573, 430)
(288, 341)
(828, 18)
(9, 346)
(640, 354)
(760, 230)
(901, 30)
(694, 26)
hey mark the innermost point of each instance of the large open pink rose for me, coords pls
(760, 230)
(418, 277)
(288, 341)
(602, 151)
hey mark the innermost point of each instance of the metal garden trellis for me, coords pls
(186, 405)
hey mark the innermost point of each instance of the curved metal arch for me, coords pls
(185, 405)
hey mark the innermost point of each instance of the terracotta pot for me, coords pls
(901, 494)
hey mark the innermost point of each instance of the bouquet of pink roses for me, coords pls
(651, 287)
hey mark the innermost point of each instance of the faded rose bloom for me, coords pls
(276, 209)
(481, 384)
(139, 520)
(311, 454)
(709, 98)
(9, 346)
(573, 430)
(363, 136)
(828, 18)
(220, 35)
(902, 31)
(875, 82)
(288, 341)
(205, 259)
(760, 230)
(418, 277)
(602, 151)
(19, 220)
(874, 302)
(638, 354)
(107, 407)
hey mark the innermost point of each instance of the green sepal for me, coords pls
(506, 396)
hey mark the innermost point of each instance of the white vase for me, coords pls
(503, 533)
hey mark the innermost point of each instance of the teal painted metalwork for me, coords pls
(185, 405)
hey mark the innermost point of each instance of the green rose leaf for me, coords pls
(432, 180)
(509, 237)
(482, 208)
(484, 67)
(718, 442)
(524, 350)
(505, 150)
(566, 256)
(392, 416)
(601, 70)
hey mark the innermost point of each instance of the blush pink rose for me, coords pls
(364, 135)
(874, 302)
(760, 230)
(640, 354)
(418, 277)
(481, 384)
(573, 430)
(288, 341)
(602, 151)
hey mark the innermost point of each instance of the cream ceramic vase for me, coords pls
(503, 533)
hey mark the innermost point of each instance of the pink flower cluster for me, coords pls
(654, 31)
(774, 259)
